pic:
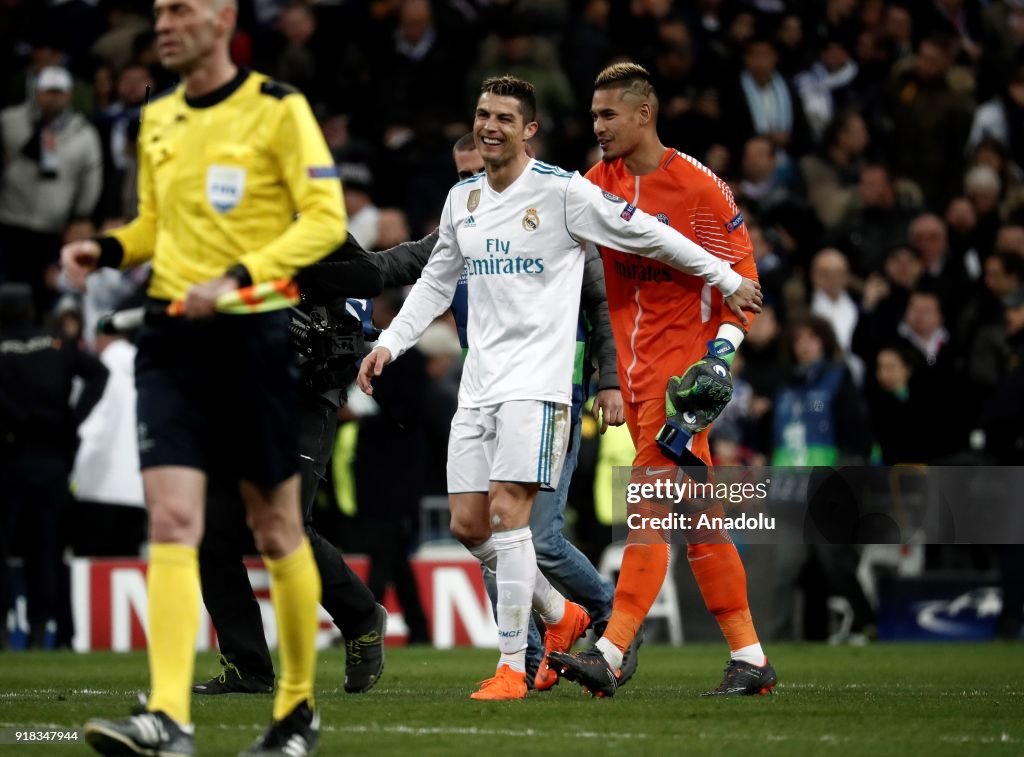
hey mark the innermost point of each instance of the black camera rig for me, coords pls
(329, 346)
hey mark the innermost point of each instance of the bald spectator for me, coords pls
(830, 277)
(929, 237)
(983, 189)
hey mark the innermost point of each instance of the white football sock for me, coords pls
(611, 653)
(548, 603)
(752, 654)
(516, 574)
(485, 553)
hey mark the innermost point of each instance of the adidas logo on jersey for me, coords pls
(470, 221)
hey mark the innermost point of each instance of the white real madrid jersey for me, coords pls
(521, 251)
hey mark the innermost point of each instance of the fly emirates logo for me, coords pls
(500, 261)
(641, 271)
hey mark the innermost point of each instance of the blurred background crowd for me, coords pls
(876, 148)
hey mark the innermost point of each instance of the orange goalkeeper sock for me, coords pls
(723, 584)
(643, 571)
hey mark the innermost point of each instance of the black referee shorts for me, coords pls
(220, 394)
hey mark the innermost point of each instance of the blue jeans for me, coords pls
(565, 567)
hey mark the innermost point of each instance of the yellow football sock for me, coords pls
(173, 584)
(295, 592)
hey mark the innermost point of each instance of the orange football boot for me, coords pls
(506, 684)
(559, 637)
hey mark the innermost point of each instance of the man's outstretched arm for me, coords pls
(351, 271)
(593, 216)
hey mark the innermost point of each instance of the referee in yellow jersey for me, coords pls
(236, 187)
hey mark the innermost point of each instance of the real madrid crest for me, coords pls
(473, 200)
(531, 220)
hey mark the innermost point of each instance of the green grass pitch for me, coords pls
(895, 699)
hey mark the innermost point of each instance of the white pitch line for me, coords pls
(409, 730)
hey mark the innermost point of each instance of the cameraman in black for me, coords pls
(329, 332)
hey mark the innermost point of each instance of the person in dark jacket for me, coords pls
(245, 657)
(37, 440)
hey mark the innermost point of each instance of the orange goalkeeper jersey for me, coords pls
(661, 317)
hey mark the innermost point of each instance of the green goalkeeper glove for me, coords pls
(695, 399)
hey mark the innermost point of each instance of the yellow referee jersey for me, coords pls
(239, 176)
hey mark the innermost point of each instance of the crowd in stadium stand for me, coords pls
(875, 147)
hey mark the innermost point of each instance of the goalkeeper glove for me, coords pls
(695, 399)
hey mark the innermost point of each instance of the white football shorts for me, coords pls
(522, 441)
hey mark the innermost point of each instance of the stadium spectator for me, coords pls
(929, 237)
(1000, 118)
(923, 328)
(118, 127)
(363, 215)
(53, 173)
(930, 122)
(761, 185)
(1002, 419)
(884, 301)
(791, 45)
(818, 413)
(819, 419)
(37, 438)
(765, 102)
(827, 86)
(898, 31)
(115, 46)
(830, 301)
(110, 514)
(392, 228)
(899, 411)
(519, 50)
(879, 217)
(831, 176)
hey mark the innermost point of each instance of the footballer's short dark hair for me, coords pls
(519, 89)
(465, 143)
(631, 77)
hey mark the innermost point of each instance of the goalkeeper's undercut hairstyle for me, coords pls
(633, 79)
(519, 89)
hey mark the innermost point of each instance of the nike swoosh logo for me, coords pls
(657, 471)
